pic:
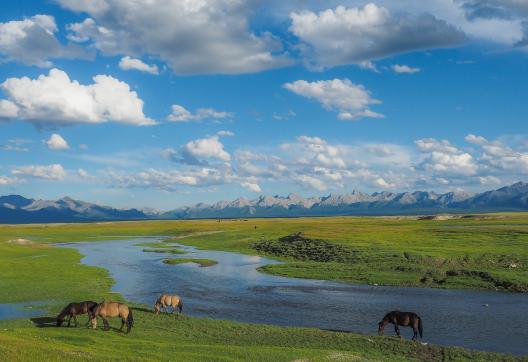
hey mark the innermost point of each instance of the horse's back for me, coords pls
(175, 300)
(169, 299)
(110, 309)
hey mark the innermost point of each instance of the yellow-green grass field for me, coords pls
(391, 251)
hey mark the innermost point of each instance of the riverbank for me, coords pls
(37, 271)
(194, 339)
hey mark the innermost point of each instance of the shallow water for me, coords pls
(19, 310)
(233, 289)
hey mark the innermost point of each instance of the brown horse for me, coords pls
(112, 309)
(167, 300)
(74, 309)
(406, 319)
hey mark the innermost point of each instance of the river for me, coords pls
(233, 289)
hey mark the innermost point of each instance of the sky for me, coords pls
(164, 103)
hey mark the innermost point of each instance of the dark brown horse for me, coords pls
(74, 309)
(405, 319)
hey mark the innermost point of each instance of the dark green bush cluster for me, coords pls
(301, 248)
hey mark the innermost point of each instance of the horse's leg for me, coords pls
(75, 320)
(106, 324)
(397, 329)
(69, 319)
(122, 324)
(415, 330)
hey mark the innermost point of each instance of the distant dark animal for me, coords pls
(406, 319)
(74, 309)
(167, 300)
(112, 309)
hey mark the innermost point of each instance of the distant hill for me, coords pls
(17, 209)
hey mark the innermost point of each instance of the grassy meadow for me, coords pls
(486, 252)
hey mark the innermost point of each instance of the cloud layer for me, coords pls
(314, 164)
(204, 36)
(354, 35)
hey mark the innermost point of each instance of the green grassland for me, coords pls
(480, 252)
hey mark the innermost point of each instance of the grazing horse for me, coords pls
(406, 319)
(74, 309)
(112, 309)
(167, 300)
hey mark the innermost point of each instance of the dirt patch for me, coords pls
(443, 217)
(20, 241)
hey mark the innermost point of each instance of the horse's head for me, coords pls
(93, 311)
(157, 306)
(381, 327)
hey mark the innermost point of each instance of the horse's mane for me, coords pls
(65, 310)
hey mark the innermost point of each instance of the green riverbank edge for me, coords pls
(202, 262)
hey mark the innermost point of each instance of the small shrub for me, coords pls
(299, 247)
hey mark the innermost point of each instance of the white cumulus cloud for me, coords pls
(207, 148)
(56, 100)
(225, 133)
(56, 142)
(210, 147)
(253, 187)
(402, 68)
(442, 158)
(180, 114)
(129, 63)
(350, 100)
(32, 41)
(4, 180)
(54, 172)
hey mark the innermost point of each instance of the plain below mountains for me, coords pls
(18, 209)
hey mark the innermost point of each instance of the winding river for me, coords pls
(233, 289)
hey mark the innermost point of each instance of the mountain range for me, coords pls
(18, 209)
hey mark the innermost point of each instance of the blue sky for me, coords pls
(177, 102)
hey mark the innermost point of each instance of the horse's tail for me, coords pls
(180, 305)
(130, 321)
(420, 329)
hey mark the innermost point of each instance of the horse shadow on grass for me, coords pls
(44, 322)
(51, 322)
